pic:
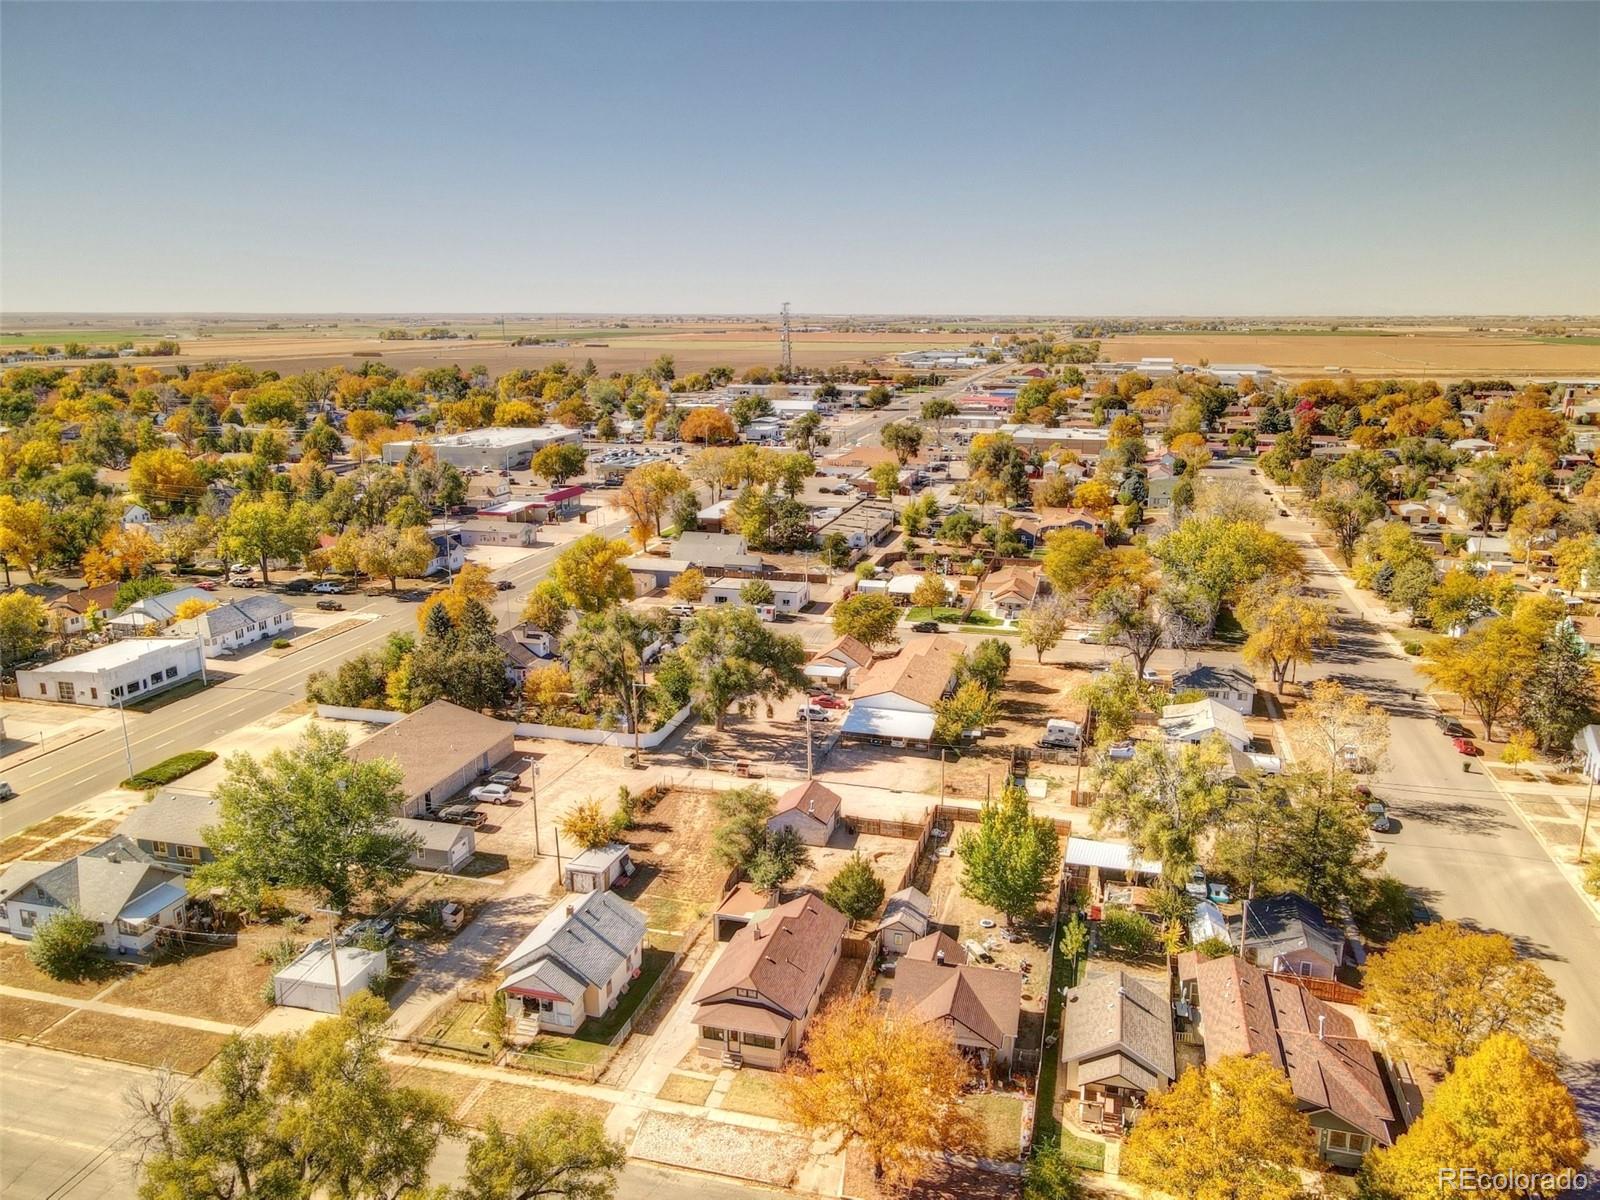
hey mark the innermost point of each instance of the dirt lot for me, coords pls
(146, 1043)
(677, 878)
(700, 1145)
(215, 984)
(512, 1105)
(891, 859)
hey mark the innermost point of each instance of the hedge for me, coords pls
(165, 772)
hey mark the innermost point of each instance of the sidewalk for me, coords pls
(122, 1010)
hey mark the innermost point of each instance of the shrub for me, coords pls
(1591, 878)
(1412, 648)
(64, 946)
(173, 768)
(1213, 947)
(1048, 1175)
(280, 643)
(587, 824)
(1125, 932)
(279, 954)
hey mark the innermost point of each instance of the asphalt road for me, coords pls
(57, 781)
(62, 1118)
(1460, 849)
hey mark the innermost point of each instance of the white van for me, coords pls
(1063, 734)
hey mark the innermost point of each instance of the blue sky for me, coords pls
(1071, 158)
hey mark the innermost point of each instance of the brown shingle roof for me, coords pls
(1246, 1011)
(983, 1000)
(1009, 581)
(919, 672)
(783, 958)
(85, 600)
(819, 803)
(927, 949)
(1114, 1014)
(845, 647)
(433, 743)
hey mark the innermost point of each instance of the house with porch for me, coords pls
(1009, 592)
(119, 887)
(574, 965)
(77, 612)
(759, 996)
(895, 698)
(171, 828)
(981, 1007)
(1116, 1049)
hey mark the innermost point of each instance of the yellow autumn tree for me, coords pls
(1444, 990)
(1230, 1130)
(1285, 628)
(472, 582)
(1502, 1111)
(193, 607)
(887, 1080)
(120, 555)
(690, 585)
(587, 824)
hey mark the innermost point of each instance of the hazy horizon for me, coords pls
(1274, 161)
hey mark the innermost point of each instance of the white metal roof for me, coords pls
(1109, 856)
(888, 722)
(119, 653)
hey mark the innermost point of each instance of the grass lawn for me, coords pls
(460, 1029)
(16, 971)
(947, 615)
(27, 1018)
(147, 1043)
(1001, 1117)
(514, 1104)
(1083, 1152)
(215, 984)
(757, 1092)
(685, 1089)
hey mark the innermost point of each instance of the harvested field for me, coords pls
(16, 971)
(701, 1145)
(21, 1019)
(146, 1043)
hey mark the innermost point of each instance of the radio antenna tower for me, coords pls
(788, 357)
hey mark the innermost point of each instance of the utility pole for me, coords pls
(333, 954)
(1588, 802)
(808, 739)
(127, 750)
(788, 355)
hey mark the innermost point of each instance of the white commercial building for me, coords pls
(127, 669)
(496, 449)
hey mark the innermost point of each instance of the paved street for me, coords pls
(61, 1118)
(59, 780)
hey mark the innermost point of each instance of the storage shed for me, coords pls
(307, 982)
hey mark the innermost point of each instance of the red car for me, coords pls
(205, 585)
(1467, 746)
(827, 702)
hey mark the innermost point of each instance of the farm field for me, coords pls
(1374, 353)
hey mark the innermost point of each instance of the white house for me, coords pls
(123, 890)
(1197, 721)
(436, 845)
(810, 809)
(788, 595)
(1009, 592)
(833, 664)
(1492, 550)
(895, 697)
(1232, 686)
(121, 670)
(135, 514)
(575, 964)
(77, 611)
(238, 623)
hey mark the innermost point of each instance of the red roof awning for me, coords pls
(560, 494)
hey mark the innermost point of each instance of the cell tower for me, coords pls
(788, 357)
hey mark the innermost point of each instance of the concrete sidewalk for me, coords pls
(122, 1010)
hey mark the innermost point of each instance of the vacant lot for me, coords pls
(890, 859)
(214, 984)
(146, 1043)
(677, 878)
(759, 1093)
(514, 1104)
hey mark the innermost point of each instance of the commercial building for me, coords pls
(440, 749)
(128, 669)
(500, 449)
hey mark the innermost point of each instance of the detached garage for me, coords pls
(307, 982)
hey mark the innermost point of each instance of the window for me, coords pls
(158, 848)
(547, 1006)
(133, 688)
(608, 987)
(29, 917)
(191, 853)
(759, 1041)
(747, 993)
(172, 672)
(116, 692)
(43, 691)
(1352, 1143)
(712, 1035)
(94, 693)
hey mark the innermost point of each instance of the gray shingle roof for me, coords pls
(1114, 1014)
(226, 618)
(431, 835)
(1288, 922)
(98, 883)
(173, 816)
(909, 907)
(589, 937)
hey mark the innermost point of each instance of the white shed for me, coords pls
(307, 982)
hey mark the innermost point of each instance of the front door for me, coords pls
(733, 1041)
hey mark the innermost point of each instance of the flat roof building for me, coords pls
(496, 449)
(127, 669)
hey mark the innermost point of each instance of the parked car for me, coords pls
(681, 610)
(508, 779)
(330, 606)
(327, 588)
(925, 627)
(242, 581)
(239, 569)
(813, 712)
(1378, 817)
(379, 927)
(491, 793)
(826, 701)
(462, 814)
(1088, 635)
(504, 585)
(206, 585)
(1450, 727)
(1467, 746)
(298, 586)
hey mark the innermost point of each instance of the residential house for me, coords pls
(597, 869)
(437, 845)
(171, 828)
(238, 623)
(151, 613)
(900, 588)
(1289, 933)
(121, 670)
(760, 994)
(717, 553)
(1334, 1074)
(574, 965)
(1495, 551)
(1116, 1047)
(1202, 719)
(861, 525)
(837, 661)
(119, 887)
(440, 749)
(810, 809)
(525, 647)
(1090, 862)
(895, 698)
(77, 612)
(1230, 686)
(788, 595)
(980, 1007)
(1009, 592)
(907, 919)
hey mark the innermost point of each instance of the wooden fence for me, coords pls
(1323, 989)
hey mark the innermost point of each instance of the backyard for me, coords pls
(677, 877)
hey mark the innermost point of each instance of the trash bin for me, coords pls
(742, 769)
(1466, 766)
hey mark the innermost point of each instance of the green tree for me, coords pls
(1042, 625)
(258, 531)
(1010, 860)
(1557, 698)
(606, 657)
(1230, 1130)
(970, 706)
(856, 890)
(731, 655)
(1345, 509)
(1050, 1175)
(806, 434)
(558, 463)
(903, 439)
(757, 591)
(1164, 800)
(307, 818)
(869, 617)
(1114, 699)
(939, 409)
(931, 592)
(63, 946)
(559, 1153)
(782, 854)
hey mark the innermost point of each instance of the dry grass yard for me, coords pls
(22, 1019)
(222, 984)
(145, 1043)
(16, 971)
